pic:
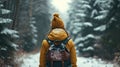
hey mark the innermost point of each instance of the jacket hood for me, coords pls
(57, 34)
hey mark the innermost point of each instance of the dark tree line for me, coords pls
(32, 11)
(30, 19)
(94, 26)
(7, 35)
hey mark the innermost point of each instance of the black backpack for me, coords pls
(58, 55)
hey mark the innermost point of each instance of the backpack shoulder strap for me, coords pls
(65, 41)
(49, 41)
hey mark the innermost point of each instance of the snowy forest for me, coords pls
(94, 26)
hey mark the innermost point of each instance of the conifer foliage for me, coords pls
(94, 26)
(7, 47)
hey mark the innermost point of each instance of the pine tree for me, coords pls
(88, 22)
(32, 39)
(80, 26)
(7, 47)
(111, 36)
(38, 10)
(42, 18)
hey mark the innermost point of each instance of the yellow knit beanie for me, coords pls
(57, 22)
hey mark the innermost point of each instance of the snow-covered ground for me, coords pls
(33, 61)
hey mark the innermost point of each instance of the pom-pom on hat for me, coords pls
(57, 22)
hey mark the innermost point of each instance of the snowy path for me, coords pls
(33, 61)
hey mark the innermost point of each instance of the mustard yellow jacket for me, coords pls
(57, 34)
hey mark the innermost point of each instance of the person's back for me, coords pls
(57, 35)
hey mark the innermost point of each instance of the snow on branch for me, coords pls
(14, 46)
(89, 36)
(83, 2)
(77, 20)
(100, 17)
(86, 6)
(100, 28)
(87, 24)
(2, 20)
(84, 38)
(8, 31)
(83, 24)
(103, 11)
(3, 49)
(81, 45)
(79, 11)
(5, 11)
(15, 36)
(94, 12)
(96, 2)
(33, 28)
(34, 40)
(33, 22)
(1, 5)
(89, 48)
(76, 30)
(77, 24)
(81, 14)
